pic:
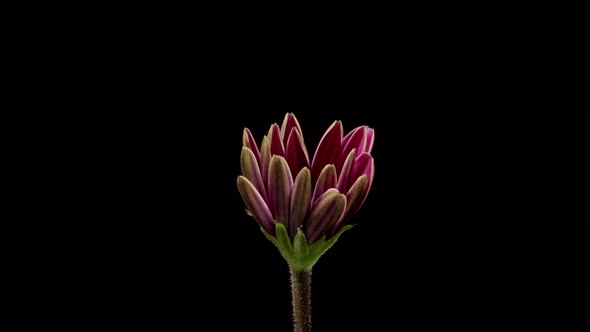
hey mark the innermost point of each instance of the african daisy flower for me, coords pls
(304, 205)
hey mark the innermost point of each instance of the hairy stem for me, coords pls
(301, 292)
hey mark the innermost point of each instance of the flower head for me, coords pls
(298, 201)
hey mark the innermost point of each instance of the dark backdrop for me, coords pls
(218, 40)
(121, 212)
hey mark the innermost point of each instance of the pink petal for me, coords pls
(326, 180)
(351, 141)
(354, 198)
(289, 122)
(344, 176)
(328, 149)
(370, 140)
(265, 160)
(280, 184)
(363, 165)
(297, 156)
(276, 143)
(255, 204)
(350, 134)
(300, 200)
(249, 142)
(329, 210)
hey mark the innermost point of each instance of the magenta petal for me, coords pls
(280, 183)
(289, 123)
(344, 175)
(255, 204)
(328, 211)
(351, 141)
(363, 165)
(328, 149)
(251, 170)
(276, 143)
(357, 193)
(249, 142)
(300, 200)
(351, 134)
(265, 160)
(326, 180)
(370, 140)
(297, 156)
(355, 198)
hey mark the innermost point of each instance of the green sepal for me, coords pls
(300, 243)
(300, 255)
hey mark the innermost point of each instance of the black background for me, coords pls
(121, 210)
(253, 41)
(219, 40)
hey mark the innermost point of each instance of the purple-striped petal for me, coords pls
(363, 165)
(352, 133)
(344, 175)
(251, 171)
(326, 180)
(276, 143)
(280, 183)
(289, 122)
(255, 204)
(297, 156)
(352, 140)
(265, 160)
(328, 211)
(249, 142)
(328, 149)
(370, 140)
(354, 200)
(300, 200)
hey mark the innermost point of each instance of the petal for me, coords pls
(280, 183)
(328, 149)
(354, 199)
(265, 160)
(276, 143)
(289, 122)
(344, 175)
(363, 165)
(349, 142)
(249, 142)
(328, 211)
(255, 204)
(251, 171)
(370, 140)
(300, 200)
(297, 156)
(326, 180)
(350, 134)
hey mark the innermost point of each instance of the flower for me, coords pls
(298, 200)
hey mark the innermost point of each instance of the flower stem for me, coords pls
(301, 292)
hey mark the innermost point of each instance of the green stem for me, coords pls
(301, 292)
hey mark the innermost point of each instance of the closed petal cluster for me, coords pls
(318, 196)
